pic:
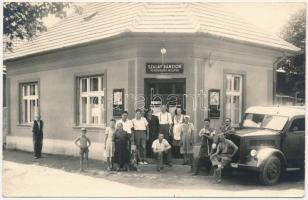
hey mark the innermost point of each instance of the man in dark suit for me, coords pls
(37, 130)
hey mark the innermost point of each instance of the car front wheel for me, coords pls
(271, 171)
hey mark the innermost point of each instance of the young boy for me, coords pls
(83, 142)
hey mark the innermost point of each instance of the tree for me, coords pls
(24, 20)
(295, 33)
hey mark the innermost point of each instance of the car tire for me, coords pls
(271, 171)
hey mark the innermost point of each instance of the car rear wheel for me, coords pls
(271, 171)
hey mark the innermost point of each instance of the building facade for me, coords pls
(86, 81)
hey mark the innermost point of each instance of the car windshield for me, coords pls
(261, 121)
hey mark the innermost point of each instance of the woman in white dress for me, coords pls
(187, 132)
(109, 146)
(177, 121)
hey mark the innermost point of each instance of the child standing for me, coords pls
(187, 130)
(109, 146)
(83, 142)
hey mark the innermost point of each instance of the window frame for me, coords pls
(242, 93)
(36, 97)
(291, 124)
(88, 94)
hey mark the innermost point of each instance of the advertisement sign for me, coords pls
(118, 102)
(214, 104)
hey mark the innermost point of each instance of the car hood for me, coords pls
(247, 132)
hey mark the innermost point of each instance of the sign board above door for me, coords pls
(156, 68)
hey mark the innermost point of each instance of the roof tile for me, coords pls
(115, 18)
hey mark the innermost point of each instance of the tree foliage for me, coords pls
(24, 20)
(295, 33)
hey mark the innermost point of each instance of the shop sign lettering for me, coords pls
(154, 68)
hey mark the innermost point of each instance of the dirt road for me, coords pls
(58, 176)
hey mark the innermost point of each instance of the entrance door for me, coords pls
(165, 91)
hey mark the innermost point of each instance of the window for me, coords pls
(29, 101)
(234, 98)
(262, 121)
(298, 125)
(91, 100)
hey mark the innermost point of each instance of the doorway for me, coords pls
(168, 92)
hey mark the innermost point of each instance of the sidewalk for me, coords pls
(18, 165)
(72, 164)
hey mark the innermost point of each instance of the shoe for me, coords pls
(145, 163)
(36, 157)
(140, 163)
(169, 164)
(219, 181)
(158, 169)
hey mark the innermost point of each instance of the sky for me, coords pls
(268, 16)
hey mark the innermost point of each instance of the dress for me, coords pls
(109, 151)
(187, 138)
(121, 153)
(177, 123)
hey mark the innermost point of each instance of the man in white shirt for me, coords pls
(165, 125)
(127, 124)
(140, 134)
(160, 147)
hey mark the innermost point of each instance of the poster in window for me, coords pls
(118, 102)
(214, 104)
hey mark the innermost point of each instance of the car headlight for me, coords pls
(253, 153)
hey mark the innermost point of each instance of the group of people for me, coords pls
(127, 142)
(147, 132)
(216, 148)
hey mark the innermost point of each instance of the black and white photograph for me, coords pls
(153, 99)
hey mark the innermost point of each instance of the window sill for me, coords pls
(89, 127)
(24, 125)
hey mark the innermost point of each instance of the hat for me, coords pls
(187, 116)
(83, 129)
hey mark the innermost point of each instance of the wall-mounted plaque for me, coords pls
(118, 102)
(158, 68)
(214, 104)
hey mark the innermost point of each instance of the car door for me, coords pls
(294, 141)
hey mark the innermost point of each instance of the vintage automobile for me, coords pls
(271, 140)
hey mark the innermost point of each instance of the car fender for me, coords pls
(265, 153)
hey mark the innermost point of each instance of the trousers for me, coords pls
(140, 142)
(160, 157)
(164, 129)
(38, 145)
